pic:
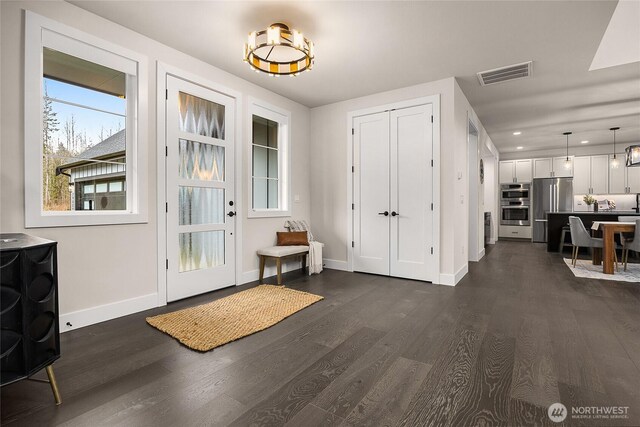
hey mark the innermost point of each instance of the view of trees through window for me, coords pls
(83, 106)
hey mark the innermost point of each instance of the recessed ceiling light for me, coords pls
(584, 142)
(519, 148)
(517, 133)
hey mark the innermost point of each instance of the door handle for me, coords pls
(394, 213)
(231, 213)
(385, 213)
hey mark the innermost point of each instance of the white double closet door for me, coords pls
(393, 193)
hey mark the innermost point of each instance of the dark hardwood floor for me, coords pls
(516, 335)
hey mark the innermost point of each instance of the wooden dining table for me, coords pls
(606, 257)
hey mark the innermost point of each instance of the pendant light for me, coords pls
(567, 161)
(614, 161)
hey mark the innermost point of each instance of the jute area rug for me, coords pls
(585, 268)
(211, 325)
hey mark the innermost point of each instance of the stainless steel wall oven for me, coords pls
(515, 204)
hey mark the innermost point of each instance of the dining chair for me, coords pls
(626, 236)
(580, 238)
(631, 244)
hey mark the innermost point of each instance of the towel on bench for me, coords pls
(315, 248)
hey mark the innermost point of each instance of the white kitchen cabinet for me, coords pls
(623, 180)
(582, 175)
(515, 171)
(523, 170)
(600, 174)
(542, 168)
(591, 175)
(552, 167)
(617, 179)
(560, 170)
(507, 171)
(633, 179)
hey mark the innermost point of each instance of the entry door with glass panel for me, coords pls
(200, 190)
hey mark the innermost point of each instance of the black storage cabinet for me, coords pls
(29, 307)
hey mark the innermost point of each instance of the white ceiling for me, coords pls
(369, 47)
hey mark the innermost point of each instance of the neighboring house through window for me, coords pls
(84, 157)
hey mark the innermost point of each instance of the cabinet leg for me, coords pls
(54, 384)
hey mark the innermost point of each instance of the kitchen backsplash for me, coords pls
(624, 202)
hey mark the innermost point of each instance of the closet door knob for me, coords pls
(394, 213)
(385, 213)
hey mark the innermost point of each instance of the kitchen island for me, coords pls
(557, 220)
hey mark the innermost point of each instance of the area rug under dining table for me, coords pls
(205, 327)
(586, 269)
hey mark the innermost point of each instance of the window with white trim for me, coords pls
(269, 154)
(82, 133)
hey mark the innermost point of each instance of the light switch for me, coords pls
(296, 198)
(462, 199)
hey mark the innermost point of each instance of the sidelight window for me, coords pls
(269, 161)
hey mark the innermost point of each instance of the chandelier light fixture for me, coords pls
(567, 161)
(279, 51)
(633, 156)
(614, 160)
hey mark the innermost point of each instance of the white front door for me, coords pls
(411, 236)
(371, 193)
(200, 189)
(393, 192)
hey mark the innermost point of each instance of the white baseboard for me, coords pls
(481, 254)
(492, 241)
(453, 279)
(334, 264)
(102, 313)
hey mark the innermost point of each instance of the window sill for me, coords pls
(86, 219)
(268, 214)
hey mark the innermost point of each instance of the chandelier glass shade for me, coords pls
(279, 51)
(633, 156)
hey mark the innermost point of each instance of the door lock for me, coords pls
(385, 213)
(231, 213)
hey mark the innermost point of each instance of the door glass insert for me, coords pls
(204, 162)
(200, 205)
(203, 249)
(200, 116)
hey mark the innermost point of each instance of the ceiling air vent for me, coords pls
(504, 74)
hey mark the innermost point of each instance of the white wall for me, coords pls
(463, 113)
(102, 265)
(329, 172)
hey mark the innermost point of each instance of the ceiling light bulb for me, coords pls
(519, 148)
(584, 142)
(517, 133)
(298, 39)
(311, 50)
(251, 40)
(273, 35)
(567, 163)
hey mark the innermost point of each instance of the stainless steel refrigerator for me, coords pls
(549, 195)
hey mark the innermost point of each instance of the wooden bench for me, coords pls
(279, 253)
